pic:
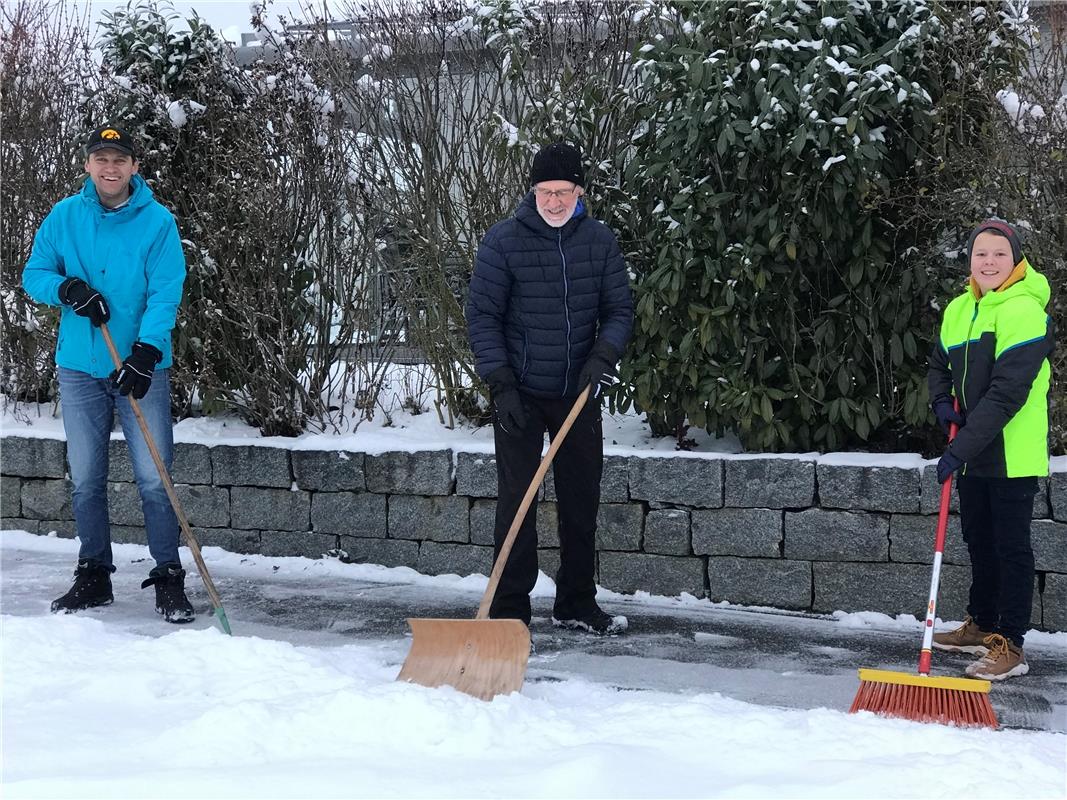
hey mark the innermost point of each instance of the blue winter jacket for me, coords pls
(541, 296)
(132, 256)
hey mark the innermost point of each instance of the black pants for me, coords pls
(995, 514)
(578, 466)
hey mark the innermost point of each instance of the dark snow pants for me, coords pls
(995, 514)
(578, 466)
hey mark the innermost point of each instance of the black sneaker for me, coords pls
(595, 621)
(92, 587)
(171, 601)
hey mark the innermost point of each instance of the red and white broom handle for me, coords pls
(926, 654)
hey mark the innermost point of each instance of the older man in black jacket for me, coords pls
(550, 313)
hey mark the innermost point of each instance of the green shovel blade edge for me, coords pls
(224, 623)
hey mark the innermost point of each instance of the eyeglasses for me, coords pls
(554, 194)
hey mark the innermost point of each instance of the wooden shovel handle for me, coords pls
(190, 540)
(524, 506)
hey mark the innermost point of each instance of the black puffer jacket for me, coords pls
(540, 297)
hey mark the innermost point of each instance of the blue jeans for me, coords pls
(89, 406)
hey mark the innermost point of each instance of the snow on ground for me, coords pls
(200, 714)
(93, 707)
(399, 430)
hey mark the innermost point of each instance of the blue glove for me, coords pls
(946, 413)
(946, 465)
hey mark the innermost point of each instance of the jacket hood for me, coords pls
(527, 214)
(140, 194)
(1024, 280)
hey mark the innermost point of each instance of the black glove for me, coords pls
(946, 413)
(947, 464)
(510, 415)
(85, 300)
(135, 375)
(599, 367)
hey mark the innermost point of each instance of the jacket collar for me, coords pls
(140, 195)
(1016, 275)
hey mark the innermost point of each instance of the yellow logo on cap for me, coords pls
(110, 134)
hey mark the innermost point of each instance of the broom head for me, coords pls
(922, 698)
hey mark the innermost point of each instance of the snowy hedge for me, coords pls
(790, 182)
(780, 289)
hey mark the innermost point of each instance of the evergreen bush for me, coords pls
(782, 145)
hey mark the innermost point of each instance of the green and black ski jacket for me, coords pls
(993, 355)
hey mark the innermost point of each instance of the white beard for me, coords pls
(552, 224)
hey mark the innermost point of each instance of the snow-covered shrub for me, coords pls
(454, 97)
(44, 69)
(782, 148)
(254, 162)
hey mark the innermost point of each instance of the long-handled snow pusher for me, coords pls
(481, 657)
(190, 540)
(922, 697)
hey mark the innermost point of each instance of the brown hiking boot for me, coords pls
(967, 638)
(1004, 660)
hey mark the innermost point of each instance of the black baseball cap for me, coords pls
(109, 136)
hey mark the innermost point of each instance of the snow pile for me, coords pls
(92, 711)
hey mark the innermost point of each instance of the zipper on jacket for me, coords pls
(567, 313)
(966, 359)
(966, 363)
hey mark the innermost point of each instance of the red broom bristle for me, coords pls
(925, 704)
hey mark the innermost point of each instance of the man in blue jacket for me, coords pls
(112, 254)
(550, 313)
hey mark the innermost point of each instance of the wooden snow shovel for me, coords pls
(481, 657)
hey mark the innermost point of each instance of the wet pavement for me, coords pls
(768, 658)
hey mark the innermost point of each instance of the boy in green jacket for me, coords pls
(992, 356)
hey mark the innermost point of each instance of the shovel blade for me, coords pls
(480, 657)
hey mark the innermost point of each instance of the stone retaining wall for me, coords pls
(797, 533)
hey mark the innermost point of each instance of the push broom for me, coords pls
(924, 697)
(168, 485)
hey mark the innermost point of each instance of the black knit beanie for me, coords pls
(1002, 229)
(558, 162)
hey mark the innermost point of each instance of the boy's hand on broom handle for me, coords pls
(947, 464)
(947, 414)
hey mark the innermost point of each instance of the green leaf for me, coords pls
(843, 382)
(766, 410)
(896, 350)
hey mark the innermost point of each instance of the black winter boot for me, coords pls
(593, 619)
(92, 587)
(171, 601)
